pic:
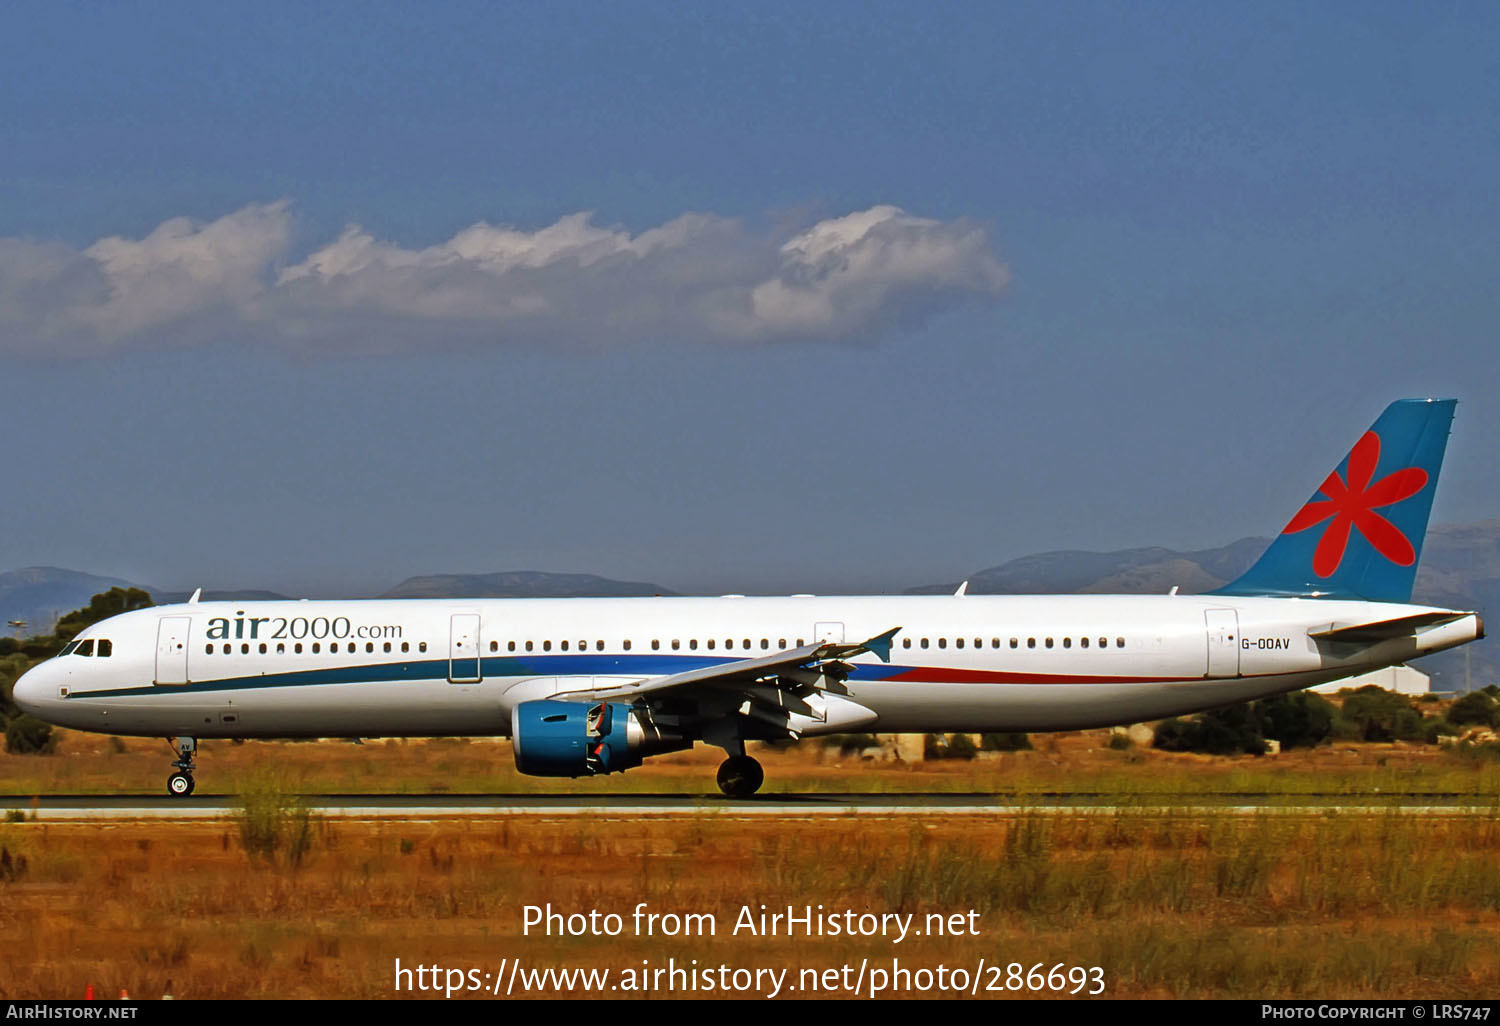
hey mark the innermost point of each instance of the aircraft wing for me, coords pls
(816, 666)
(1384, 630)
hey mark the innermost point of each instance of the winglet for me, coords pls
(963, 589)
(881, 644)
(198, 594)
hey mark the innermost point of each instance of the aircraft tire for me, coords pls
(179, 785)
(740, 776)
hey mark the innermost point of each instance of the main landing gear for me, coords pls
(740, 776)
(180, 784)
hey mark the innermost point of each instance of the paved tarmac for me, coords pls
(793, 806)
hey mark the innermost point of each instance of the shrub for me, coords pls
(1230, 730)
(1120, 742)
(1298, 720)
(1374, 714)
(1474, 709)
(961, 747)
(27, 735)
(275, 825)
(1012, 742)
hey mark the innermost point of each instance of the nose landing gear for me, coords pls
(180, 784)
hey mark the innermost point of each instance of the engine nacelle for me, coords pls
(578, 739)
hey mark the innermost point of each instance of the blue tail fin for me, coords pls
(1360, 535)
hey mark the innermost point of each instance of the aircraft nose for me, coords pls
(29, 690)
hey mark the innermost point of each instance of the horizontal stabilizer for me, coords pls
(1384, 630)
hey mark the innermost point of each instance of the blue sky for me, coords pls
(772, 297)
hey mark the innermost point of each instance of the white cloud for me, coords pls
(699, 277)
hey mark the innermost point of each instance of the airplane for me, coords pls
(591, 686)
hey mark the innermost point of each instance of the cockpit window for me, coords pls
(105, 648)
(85, 648)
(69, 649)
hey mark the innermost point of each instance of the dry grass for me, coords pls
(1167, 903)
(1392, 905)
(92, 764)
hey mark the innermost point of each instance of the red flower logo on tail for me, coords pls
(1353, 506)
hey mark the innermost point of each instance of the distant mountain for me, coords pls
(1460, 569)
(521, 584)
(162, 598)
(40, 594)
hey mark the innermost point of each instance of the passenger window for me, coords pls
(676, 644)
(494, 646)
(105, 648)
(1049, 642)
(316, 648)
(924, 642)
(942, 642)
(747, 644)
(564, 646)
(655, 644)
(710, 642)
(1103, 642)
(510, 646)
(421, 646)
(528, 646)
(693, 644)
(281, 648)
(226, 649)
(979, 643)
(333, 647)
(86, 648)
(1031, 643)
(1084, 642)
(1015, 642)
(626, 644)
(1119, 643)
(765, 644)
(1067, 642)
(297, 648)
(405, 646)
(208, 650)
(598, 646)
(262, 648)
(388, 646)
(995, 643)
(800, 643)
(781, 643)
(959, 642)
(245, 648)
(370, 646)
(906, 643)
(546, 646)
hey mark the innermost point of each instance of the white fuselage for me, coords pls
(459, 667)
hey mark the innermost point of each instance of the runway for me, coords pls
(62, 808)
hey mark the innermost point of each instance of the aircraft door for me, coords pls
(828, 633)
(172, 649)
(1223, 642)
(463, 649)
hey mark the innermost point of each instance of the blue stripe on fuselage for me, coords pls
(580, 665)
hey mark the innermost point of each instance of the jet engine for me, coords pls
(575, 739)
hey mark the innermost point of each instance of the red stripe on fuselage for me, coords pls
(946, 675)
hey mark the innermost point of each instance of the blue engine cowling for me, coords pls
(577, 739)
